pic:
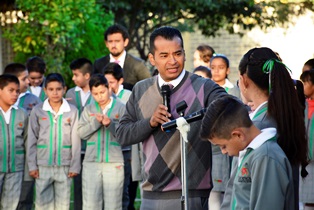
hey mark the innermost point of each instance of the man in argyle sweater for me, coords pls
(145, 113)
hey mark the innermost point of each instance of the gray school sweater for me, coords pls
(53, 143)
(102, 145)
(74, 97)
(12, 140)
(264, 180)
(28, 102)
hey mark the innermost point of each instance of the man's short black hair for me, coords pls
(167, 32)
(6, 79)
(116, 28)
(14, 69)
(83, 65)
(114, 69)
(36, 64)
(96, 80)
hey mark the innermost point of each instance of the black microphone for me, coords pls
(198, 115)
(165, 92)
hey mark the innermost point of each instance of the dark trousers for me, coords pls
(27, 195)
(127, 175)
(78, 197)
(132, 193)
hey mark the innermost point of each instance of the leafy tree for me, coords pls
(59, 31)
(142, 17)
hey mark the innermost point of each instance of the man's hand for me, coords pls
(106, 121)
(160, 116)
(99, 117)
(71, 174)
(34, 174)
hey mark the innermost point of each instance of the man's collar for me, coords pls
(174, 82)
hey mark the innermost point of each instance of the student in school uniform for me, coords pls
(80, 96)
(13, 129)
(36, 68)
(114, 75)
(26, 100)
(264, 177)
(131, 154)
(266, 82)
(103, 173)
(53, 150)
(307, 183)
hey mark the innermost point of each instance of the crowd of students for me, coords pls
(53, 137)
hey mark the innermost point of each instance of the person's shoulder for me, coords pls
(71, 89)
(38, 108)
(148, 81)
(72, 107)
(270, 149)
(102, 59)
(200, 80)
(126, 91)
(118, 102)
(32, 98)
(90, 106)
(22, 112)
(132, 57)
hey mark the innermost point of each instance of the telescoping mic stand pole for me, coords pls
(183, 127)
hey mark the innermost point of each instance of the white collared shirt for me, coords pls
(65, 107)
(105, 110)
(228, 84)
(7, 114)
(174, 82)
(266, 134)
(121, 59)
(36, 90)
(84, 95)
(119, 89)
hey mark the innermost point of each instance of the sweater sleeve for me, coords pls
(132, 130)
(115, 119)
(33, 132)
(75, 165)
(87, 124)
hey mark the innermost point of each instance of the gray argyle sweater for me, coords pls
(162, 163)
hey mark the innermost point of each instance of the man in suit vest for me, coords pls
(116, 40)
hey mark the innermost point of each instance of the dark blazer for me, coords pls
(134, 69)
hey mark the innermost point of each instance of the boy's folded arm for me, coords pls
(86, 128)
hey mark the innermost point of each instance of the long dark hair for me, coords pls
(264, 68)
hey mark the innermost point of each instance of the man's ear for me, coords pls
(237, 134)
(87, 76)
(126, 42)
(151, 59)
(121, 81)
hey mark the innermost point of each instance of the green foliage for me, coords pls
(59, 31)
(142, 17)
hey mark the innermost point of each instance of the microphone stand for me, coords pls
(180, 108)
